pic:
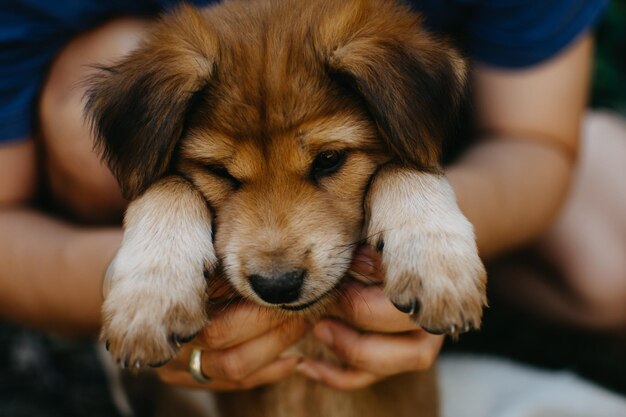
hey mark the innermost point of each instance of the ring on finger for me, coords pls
(195, 366)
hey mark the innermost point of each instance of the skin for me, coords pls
(508, 204)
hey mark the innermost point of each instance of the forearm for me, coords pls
(52, 271)
(510, 189)
(512, 184)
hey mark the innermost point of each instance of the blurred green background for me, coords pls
(609, 82)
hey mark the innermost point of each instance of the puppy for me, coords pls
(264, 140)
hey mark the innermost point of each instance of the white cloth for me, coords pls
(475, 386)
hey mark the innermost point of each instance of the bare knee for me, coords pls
(77, 179)
(601, 295)
(79, 182)
(588, 240)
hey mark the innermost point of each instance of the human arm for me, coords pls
(513, 181)
(51, 270)
(51, 279)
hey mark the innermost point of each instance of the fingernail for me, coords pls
(324, 334)
(308, 371)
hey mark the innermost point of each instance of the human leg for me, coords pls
(585, 249)
(79, 181)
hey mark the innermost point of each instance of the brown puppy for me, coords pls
(267, 139)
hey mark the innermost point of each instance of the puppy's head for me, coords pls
(280, 113)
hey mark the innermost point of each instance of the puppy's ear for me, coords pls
(138, 107)
(412, 83)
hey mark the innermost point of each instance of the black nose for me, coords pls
(279, 289)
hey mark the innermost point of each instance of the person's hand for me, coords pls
(387, 343)
(242, 347)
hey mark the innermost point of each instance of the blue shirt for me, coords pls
(502, 33)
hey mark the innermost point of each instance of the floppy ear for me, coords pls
(412, 83)
(138, 107)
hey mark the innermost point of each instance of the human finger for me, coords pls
(271, 373)
(238, 362)
(368, 308)
(381, 354)
(236, 324)
(336, 377)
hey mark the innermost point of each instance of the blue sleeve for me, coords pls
(32, 32)
(510, 33)
(24, 56)
(521, 33)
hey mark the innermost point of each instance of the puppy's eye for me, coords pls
(327, 163)
(220, 171)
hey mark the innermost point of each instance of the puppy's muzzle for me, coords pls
(282, 288)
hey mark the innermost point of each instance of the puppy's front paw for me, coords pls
(435, 277)
(145, 322)
(156, 291)
(429, 254)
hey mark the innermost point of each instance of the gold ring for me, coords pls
(195, 366)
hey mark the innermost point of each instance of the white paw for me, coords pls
(144, 321)
(428, 249)
(436, 277)
(155, 289)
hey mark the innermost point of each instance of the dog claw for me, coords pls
(178, 340)
(107, 345)
(187, 339)
(158, 364)
(411, 309)
(175, 340)
(453, 330)
(434, 331)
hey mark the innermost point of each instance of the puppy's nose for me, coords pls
(279, 289)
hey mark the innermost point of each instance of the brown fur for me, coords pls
(233, 105)
(265, 66)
